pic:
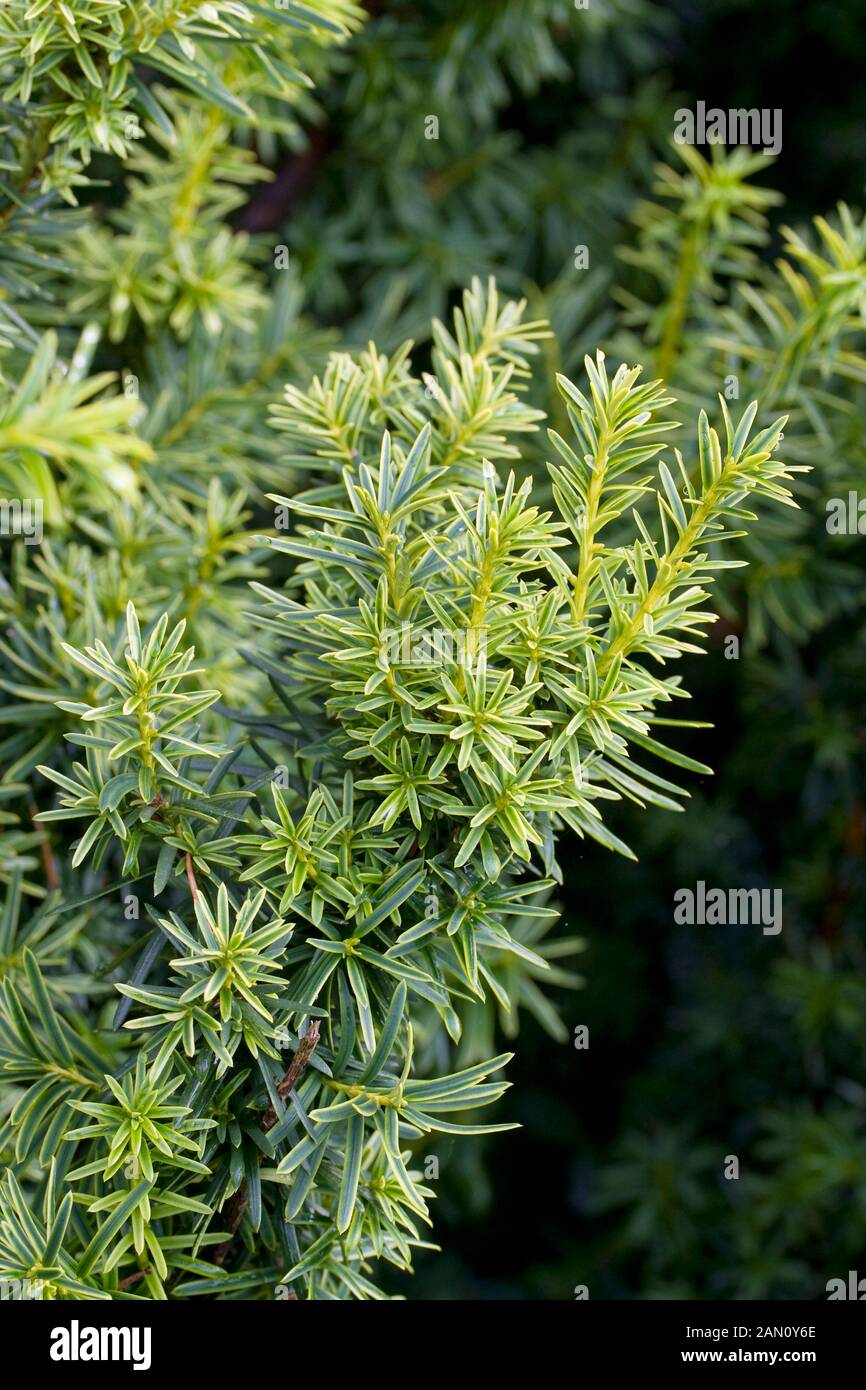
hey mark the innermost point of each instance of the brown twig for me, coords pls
(306, 1047)
(273, 203)
(239, 1202)
(190, 878)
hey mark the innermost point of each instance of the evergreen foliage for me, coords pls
(415, 789)
(354, 614)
